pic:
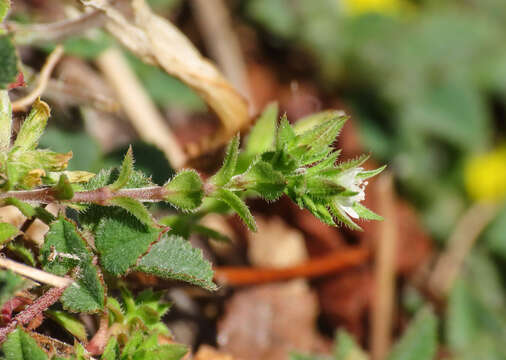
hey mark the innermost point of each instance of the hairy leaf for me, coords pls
(223, 176)
(419, 341)
(126, 171)
(237, 205)
(185, 190)
(69, 323)
(285, 135)
(174, 258)
(111, 351)
(7, 232)
(365, 213)
(262, 135)
(87, 293)
(63, 238)
(134, 207)
(8, 61)
(121, 240)
(21, 346)
(33, 126)
(345, 348)
(10, 283)
(63, 190)
(65, 251)
(370, 173)
(262, 178)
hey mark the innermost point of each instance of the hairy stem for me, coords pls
(24, 317)
(99, 196)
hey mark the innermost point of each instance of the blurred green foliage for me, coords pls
(427, 86)
(421, 83)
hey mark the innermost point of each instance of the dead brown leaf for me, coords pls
(259, 322)
(156, 41)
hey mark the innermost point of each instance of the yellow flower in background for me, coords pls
(485, 175)
(358, 7)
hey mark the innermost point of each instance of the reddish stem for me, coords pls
(335, 261)
(97, 344)
(37, 307)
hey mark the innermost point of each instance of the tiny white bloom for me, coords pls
(349, 180)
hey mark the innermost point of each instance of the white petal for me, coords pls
(349, 210)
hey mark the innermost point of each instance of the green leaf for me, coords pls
(33, 126)
(111, 351)
(10, 283)
(5, 5)
(237, 205)
(7, 232)
(370, 173)
(262, 135)
(419, 341)
(285, 134)
(321, 188)
(121, 240)
(315, 144)
(342, 217)
(8, 61)
(365, 213)
(345, 348)
(5, 119)
(223, 176)
(319, 210)
(126, 171)
(87, 293)
(69, 323)
(262, 178)
(174, 258)
(64, 250)
(63, 190)
(21, 346)
(185, 190)
(20, 250)
(134, 207)
(210, 233)
(27, 209)
(461, 323)
(63, 238)
(359, 160)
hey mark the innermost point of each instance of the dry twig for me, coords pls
(386, 249)
(223, 44)
(35, 274)
(460, 243)
(138, 106)
(42, 81)
(57, 31)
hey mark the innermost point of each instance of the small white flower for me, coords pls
(349, 180)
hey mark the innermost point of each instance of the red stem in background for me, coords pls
(325, 265)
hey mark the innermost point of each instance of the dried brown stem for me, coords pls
(215, 25)
(460, 243)
(138, 106)
(57, 31)
(386, 249)
(34, 274)
(38, 306)
(45, 74)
